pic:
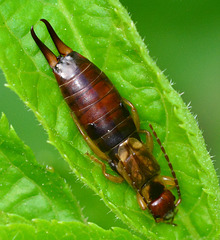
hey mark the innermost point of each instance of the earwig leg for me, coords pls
(133, 113)
(93, 147)
(149, 140)
(178, 202)
(158, 220)
(116, 179)
(100, 154)
(141, 201)
(168, 181)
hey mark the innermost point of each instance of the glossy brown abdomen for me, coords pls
(97, 105)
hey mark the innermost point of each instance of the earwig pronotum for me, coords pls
(110, 130)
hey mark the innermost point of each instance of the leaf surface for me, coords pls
(36, 203)
(102, 31)
(28, 189)
(15, 227)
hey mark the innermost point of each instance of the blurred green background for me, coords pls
(183, 37)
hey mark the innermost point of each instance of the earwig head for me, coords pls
(49, 55)
(160, 201)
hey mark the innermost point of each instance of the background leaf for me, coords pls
(103, 32)
(29, 190)
(36, 203)
(14, 227)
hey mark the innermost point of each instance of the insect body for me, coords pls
(104, 121)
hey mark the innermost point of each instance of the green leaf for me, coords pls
(102, 31)
(28, 189)
(37, 203)
(15, 227)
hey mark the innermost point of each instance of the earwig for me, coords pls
(111, 131)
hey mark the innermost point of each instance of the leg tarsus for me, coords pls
(168, 181)
(178, 201)
(133, 113)
(116, 179)
(149, 140)
(141, 201)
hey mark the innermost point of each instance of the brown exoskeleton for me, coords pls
(103, 119)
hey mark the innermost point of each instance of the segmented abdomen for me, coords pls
(97, 105)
